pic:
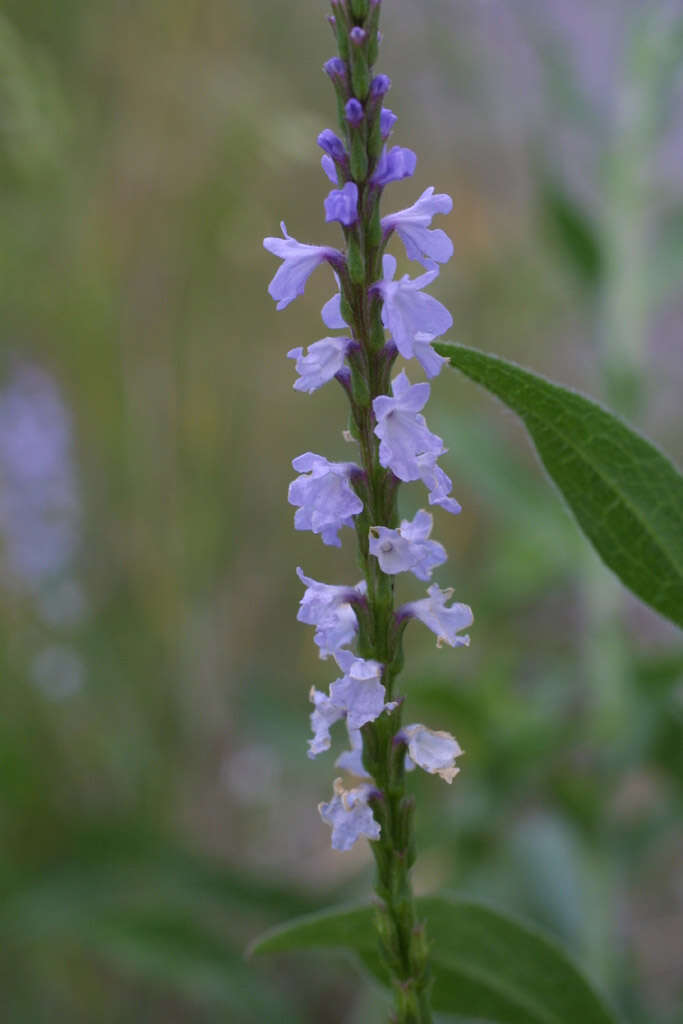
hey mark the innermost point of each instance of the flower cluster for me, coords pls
(381, 317)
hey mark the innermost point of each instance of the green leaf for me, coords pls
(486, 965)
(625, 494)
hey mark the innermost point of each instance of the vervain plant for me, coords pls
(380, 317)
(631, 514)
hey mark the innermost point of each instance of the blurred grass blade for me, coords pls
(486, 965)
(625, 494)
(573, 232)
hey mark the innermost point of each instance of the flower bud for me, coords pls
(353, 112)
(379, 86)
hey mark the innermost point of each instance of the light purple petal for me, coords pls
(342, 204)
(324, 495)
(432, 750)
(331, 314)
(299, 262)
(349, 815)
(359, 692)
(352, 760)
(393, 165)
(402, 431)
(325, 358)
(413, 227)
(330, 168)
(407, 549)
(324, 715)
(445, 622)
(437, 483)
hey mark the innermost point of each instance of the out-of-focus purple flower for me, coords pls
(438, 483)
(323, 717)
(330, 609)
(402, 430)
(299, 262)
(445, 622)
(379, 86)
(325, 358)
(433, 751)
(353, 111)
(342, 204)
(394, 165)
(413, 317)
(324, 495)
(40, 507)
(387, 120)
(349, 815)
(358, 35)
(332, 145)
(359, 691)
(412, 225)
(407, 549)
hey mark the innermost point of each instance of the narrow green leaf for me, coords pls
(625, 494)
(486, 965)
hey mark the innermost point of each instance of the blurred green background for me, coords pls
(157, 808)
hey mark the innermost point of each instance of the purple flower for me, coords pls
(342, 204)
(324, 495)
(387, 120)
(358, 35)
(438, 484)
(402, 430)
(325, 358)
(299, 262)
(359, 691)
(332, 145)
(445, 622)
(394, 165)
(379, 86)
(329, 608)
(413, 227)
(407, 549)
(353, 111)
(349, 815)
(413, 317)
(323, 716)
(434, 751)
